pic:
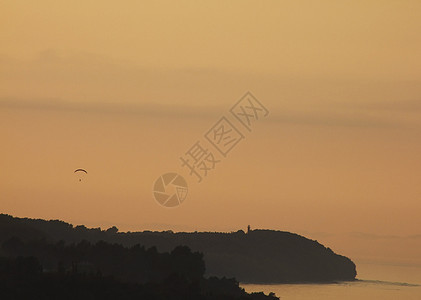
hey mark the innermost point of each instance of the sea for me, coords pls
(374, 281)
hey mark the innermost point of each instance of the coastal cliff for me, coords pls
(258, 256)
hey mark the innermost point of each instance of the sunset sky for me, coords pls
(123, 89)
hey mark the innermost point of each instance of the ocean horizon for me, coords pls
(374, 281)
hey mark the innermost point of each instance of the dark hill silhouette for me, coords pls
(24, 278)
(129, 264)
(259, 256)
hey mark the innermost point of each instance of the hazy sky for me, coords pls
(124, 89)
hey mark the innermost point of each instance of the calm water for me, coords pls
(375, 282)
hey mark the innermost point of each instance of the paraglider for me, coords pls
(80, 171)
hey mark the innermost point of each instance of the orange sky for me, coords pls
(123, 90)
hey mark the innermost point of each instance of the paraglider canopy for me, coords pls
(81, 172)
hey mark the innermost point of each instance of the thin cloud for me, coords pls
(294, 117)
(398, 106)
(148, 109)
(90, 83)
